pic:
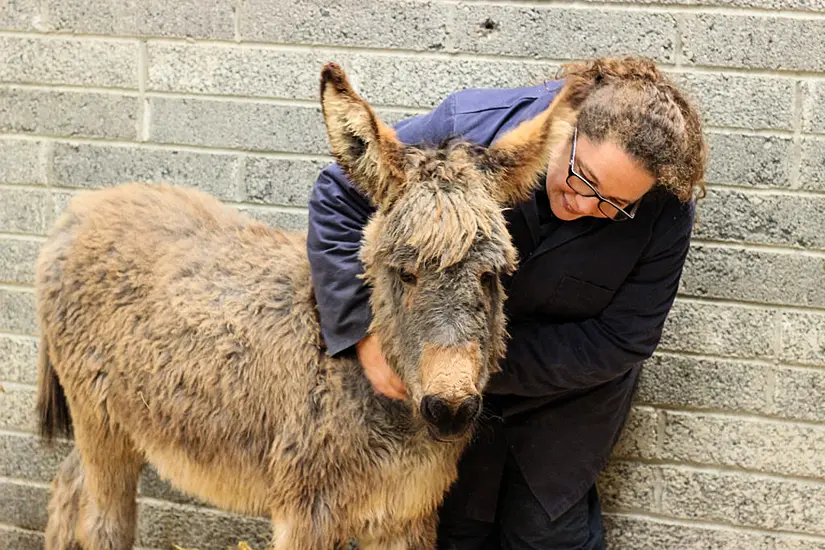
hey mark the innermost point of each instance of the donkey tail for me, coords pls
(52, 408)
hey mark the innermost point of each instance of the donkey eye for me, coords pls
(488, 278)
(407, 277)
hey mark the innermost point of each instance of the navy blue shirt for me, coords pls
(585, 308)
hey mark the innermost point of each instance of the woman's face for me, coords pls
(614, 174)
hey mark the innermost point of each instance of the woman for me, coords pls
(602, 245)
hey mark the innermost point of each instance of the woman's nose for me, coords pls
(588, 205)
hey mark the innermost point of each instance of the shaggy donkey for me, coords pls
(179, 332)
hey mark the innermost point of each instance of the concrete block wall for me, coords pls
(725, 446)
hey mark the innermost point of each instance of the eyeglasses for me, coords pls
(581, 186)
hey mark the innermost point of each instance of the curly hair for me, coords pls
(631, 103)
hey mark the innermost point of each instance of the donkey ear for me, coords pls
(515, 160)
(366, 148)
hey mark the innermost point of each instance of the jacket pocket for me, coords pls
(576, 299)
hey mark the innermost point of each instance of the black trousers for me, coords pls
(522, 524)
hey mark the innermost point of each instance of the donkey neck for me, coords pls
(390, 424)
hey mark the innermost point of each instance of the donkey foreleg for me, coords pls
(295, 534)
(415, 535)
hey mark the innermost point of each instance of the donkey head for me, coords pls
(435, 247)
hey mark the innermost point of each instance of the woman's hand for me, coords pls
(378, 372)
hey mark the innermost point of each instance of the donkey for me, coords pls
(178, 332)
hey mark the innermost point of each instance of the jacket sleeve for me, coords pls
(549, 358)
(338, 212)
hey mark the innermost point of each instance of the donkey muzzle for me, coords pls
(450, 420)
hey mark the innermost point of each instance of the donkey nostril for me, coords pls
(468, 410)
(434, 409)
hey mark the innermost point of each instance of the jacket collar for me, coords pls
(566, 231)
